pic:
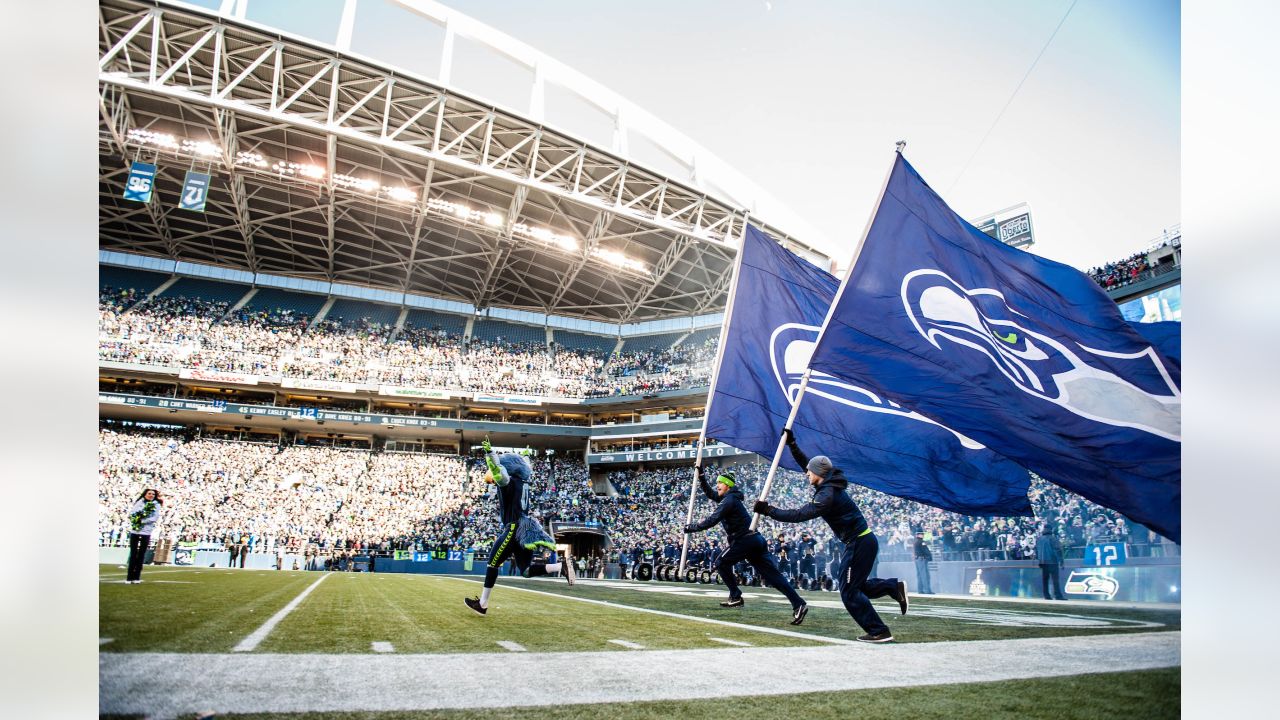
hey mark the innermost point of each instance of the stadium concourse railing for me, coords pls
(207, 411)
(376, 390)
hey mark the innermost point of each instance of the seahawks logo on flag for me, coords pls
(790, 347)
(953, 318)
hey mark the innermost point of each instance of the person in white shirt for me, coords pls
(143, 515)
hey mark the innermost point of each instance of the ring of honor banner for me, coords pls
(141, 180)
(195, 190)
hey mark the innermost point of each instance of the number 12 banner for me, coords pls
(195, 190)
(1106, 554)
(141, 180)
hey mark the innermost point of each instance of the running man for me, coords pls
(832, 503)
(744, 543)
(521, 535)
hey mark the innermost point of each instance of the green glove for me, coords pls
(490, 461)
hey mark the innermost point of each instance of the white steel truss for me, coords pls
(249, 93)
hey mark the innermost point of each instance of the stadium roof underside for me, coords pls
(329, 167)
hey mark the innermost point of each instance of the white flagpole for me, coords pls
(711, 391)
(804, 381)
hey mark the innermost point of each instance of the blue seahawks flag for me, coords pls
(779, 305)
(1165, 336)
(1024, 355)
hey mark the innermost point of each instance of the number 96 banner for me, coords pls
(195, 190)
(141, 180)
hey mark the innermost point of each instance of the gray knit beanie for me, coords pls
(820, 465)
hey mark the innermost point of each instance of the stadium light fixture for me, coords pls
(369, 186)
(618, 260)
(441, 206)
(149, 137)
(354, 183)
(252, 159)
(200, 147)
(400, 194)
(546, 237)
(291, 169)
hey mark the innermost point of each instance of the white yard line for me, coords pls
(104, 641)
(512, 646)
(150, 581)
(664, 613)
(380, 646)
(726, 641)
(255, 638)
(628, 644)
(146, 570)
(146, 683)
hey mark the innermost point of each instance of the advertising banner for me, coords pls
(1016, 231)
(426, 393)
(218, 376)
(507, 399)
(326, 385)
(574, 526)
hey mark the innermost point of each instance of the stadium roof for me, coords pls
(330, 166)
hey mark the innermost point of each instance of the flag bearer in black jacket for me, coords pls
(833, 504)
(744, 543)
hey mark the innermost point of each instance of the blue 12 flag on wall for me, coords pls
(780, 302)
(1025, 355)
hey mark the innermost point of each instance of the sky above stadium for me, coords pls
(808, 97)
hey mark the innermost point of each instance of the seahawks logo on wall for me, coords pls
(981, 320)
(790, 347)
(1081, 582)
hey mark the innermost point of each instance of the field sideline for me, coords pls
(296, 642)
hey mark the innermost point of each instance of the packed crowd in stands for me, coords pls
(641, 444)
(329, 499)
(217, 491)
(642, 372)
(203, 334)
(176, 331)
(1122, 272)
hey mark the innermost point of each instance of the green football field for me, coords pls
(398, 628)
